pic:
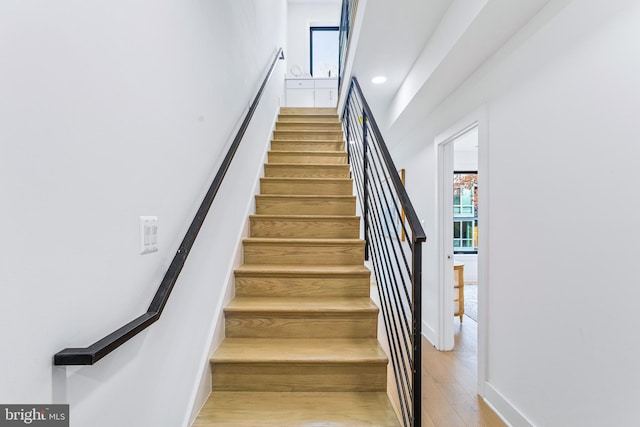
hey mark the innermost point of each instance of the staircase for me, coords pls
(301, 347)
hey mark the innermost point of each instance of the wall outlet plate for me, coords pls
(148, 234)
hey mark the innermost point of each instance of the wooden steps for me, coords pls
(306, 145)
(308, 157)
(297, 409)
(293, 170)
(303, 251)
(305, 226)
(307, 186)
(302, 280)
(303, 124)
(290, 364)
(302, 205)
(301, 343)
(300, 317)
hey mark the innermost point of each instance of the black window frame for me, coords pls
(320, 28)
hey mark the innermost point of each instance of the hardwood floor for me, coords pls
(449, 383)
(449, 380)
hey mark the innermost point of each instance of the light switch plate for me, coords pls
(148, 234)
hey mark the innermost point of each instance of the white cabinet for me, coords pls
(312, 92)
(326, 92)
(300, 98)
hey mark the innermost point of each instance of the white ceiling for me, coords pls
(446, 40)
(392, 36)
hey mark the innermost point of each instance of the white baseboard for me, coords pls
(429, 333)
(501, 405)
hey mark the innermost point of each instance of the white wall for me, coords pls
(109, 112)
(562, 99)
(301, 16)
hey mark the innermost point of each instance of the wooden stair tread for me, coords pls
(309, 153)
(301, 305)
(307, 196)
(304, 118)
(296, 241)
(301, 119)
(297, 269)
(297, 409)
(313, 122)
(297, 179)
(307, 141)
(301, 350)
(309, 165)
(305, 217)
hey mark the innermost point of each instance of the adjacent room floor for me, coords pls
(449, 383)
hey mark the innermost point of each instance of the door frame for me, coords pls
(444, 147)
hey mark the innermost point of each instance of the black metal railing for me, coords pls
(346, 22)
(394, 238)
(99, 349)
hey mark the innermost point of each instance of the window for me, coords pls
(465, 212)
(324, 51)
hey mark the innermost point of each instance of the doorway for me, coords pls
(462, 236)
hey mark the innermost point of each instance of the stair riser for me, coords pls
(324, 325)
(302, 286)
(304, 254)
(294, 145)
(306, 171)
(302, 187)
(344, 228)
(308, 135)
(309, 125)
(312, 206)
(299, 377)
(335, 158)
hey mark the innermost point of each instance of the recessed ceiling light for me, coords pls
(378, 80)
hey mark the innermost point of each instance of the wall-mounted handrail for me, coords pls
(397, 262)
(99, 349)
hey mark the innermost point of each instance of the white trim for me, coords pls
(445, 238)
(482, 118)
(479, 118)
(429, 333)
(505, 409)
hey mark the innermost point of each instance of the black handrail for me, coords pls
(99, 349)
(385, 205)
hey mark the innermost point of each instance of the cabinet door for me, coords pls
(299, 97)
(326, 97)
